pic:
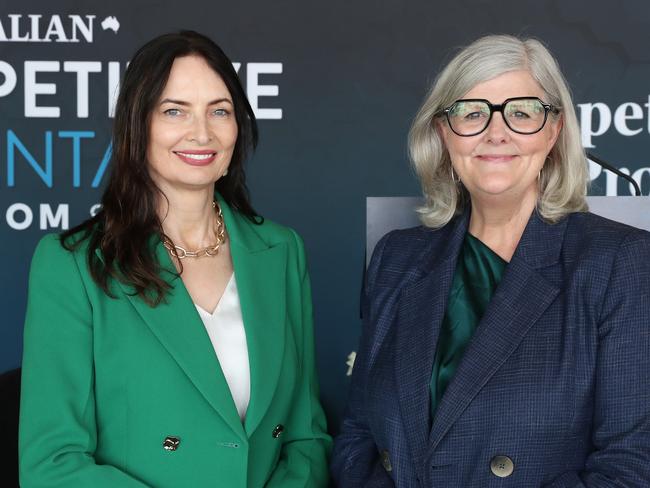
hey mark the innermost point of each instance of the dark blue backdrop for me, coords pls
(352, 76)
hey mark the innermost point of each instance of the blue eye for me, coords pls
(520, 115)
(221, 112)
(470, 111)
(172, 112)
(475, 115)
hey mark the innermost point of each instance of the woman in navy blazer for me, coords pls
(549, 384)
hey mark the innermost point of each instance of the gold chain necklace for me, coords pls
(182, 253)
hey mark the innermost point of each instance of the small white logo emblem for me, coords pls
(111, 23)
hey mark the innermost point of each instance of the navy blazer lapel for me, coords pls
(420, 312)
(520, 299)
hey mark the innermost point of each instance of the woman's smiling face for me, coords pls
(193, 129)
(499, 161)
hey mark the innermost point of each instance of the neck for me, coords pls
(188, 217)
(500, 224)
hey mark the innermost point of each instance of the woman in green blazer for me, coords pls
(128, 379)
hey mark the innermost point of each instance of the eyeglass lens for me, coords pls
(525, 116)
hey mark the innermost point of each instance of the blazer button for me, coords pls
(385, 461)
(277, 432)
(502, 466)
(171, 443)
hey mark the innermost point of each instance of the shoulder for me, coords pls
(410, 238)
(53, 263)
(598, 236)
(271, 233)
(70, 245)
(402, 255)
(610, 259)
(407, 247)
(595, 224)
(49, 246)
(615, 260)
(275, 233)
(51, 252)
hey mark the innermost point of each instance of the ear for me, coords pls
(442, 129)
(555, 128)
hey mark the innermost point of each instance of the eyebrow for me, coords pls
(185, 104)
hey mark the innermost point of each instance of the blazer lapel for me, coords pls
(520, 299)
(178, 327)
(260, 271)
(420, 312)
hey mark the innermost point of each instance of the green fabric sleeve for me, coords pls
(57, 433)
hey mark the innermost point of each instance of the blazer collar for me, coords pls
(541, 243)
(259, 271)
(517, 304)
(509, 316)
(242, 232)
(420, 312)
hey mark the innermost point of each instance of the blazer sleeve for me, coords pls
(355, 460)
(303, 457)
(57, 432)
(621, 422)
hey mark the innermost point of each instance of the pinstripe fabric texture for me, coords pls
(556, 377)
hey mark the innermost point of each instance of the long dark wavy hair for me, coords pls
(123, 229)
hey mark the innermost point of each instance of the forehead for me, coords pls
(508, 85)
(191, 78)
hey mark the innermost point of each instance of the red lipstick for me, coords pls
(197, 157)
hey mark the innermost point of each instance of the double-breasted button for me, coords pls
(502, 466)
(171, 443)
(277, 432)
(385, 460)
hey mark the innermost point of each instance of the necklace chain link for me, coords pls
(182, 253)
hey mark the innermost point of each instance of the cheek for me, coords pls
(460, 149)
(160, 139)
(225, 132)
(540, 148)
(232, 134)
(549, 136)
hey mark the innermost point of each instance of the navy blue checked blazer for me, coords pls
(556, 376)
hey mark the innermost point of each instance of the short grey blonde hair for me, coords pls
(564, 177)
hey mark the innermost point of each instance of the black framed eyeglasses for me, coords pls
(523, 115)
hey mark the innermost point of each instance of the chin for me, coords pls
(495, 186)
(193, 183)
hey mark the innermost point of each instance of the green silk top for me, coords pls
(478, 272)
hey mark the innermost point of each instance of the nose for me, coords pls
(497, 131)
(200, 131)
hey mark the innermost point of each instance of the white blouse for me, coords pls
(226, 330)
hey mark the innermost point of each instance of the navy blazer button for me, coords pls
(502, 466)
(277, 432)
(171, 443)
(385, 461)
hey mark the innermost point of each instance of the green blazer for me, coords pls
(107, 380)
